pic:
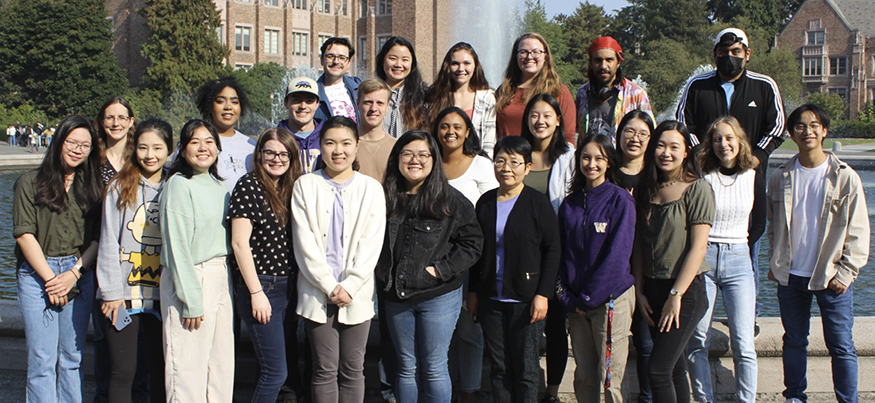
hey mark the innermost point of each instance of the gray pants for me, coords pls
(338, 359)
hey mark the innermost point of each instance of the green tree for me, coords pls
(666, 67)
(183, 49)
(57, 56)
(587, 23)
(265, 88)
(769, 15)
(867, 114)
(833, 104)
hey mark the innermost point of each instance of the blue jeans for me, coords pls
(421, 332)
(837, 314)
(732, 274)
(755, 262)
(268, 339)
(55, 336)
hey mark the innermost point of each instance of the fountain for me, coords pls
(490, 26)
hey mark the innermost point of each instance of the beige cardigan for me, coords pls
(364, 225)
(844, 225)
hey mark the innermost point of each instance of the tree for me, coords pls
(57, 56)
(183, 48)
(666, 67)
(587, 23)
(264, 86)
(833, 104)
(769, 15)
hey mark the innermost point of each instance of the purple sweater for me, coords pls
(308, 147)
(597, 230)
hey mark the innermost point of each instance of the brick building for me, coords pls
(290, 32)
(834, 41)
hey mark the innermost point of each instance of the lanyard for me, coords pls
(608, 343)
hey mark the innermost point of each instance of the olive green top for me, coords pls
(538, 180)
(666, 231)
(67, 233)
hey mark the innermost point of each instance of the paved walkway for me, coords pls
(19, 157)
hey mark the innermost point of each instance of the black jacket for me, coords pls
(532, 248)
(451, 245)
(756, 103)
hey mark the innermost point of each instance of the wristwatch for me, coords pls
(675, 292)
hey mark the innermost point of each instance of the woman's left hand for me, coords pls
(539, 308)
(671, 312)
(340, 297)
(61, 284)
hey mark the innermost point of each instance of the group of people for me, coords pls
(470, 222)
(35, 136)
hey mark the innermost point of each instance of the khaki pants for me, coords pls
(588, 336)
(199, 364)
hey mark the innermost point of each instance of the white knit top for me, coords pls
(734, 197)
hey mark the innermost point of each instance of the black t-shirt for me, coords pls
(626, 181)
(269, 241)
(601, 115)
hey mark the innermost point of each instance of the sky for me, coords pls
(554, 7)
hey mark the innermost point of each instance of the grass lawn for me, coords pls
(827, 143)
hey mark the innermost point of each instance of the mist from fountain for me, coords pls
(490, 26)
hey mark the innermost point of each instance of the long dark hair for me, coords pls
(471, 146)
(440, 94)
(651, 176)
(278, 198)
(180, 164)
(128, 179)
(101, 132)
(413, 94)
(87, 186)
(207, 93)
(557, 145)
(578, 179)
(433, 198)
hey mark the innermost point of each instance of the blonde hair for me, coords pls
(547, 80)
(709, 161)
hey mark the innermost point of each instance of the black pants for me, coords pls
(556, 331)
(667, 368)
(512, 344)
(123, 353)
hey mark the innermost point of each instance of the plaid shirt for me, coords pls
(631, 97)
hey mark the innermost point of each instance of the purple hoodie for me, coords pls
(308, 147)
(597, 230)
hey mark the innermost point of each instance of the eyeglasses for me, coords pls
(119, 118)
(75, 145)
(340, 58)
(269, 155)
(812, 127)
(513, 164)
(631, 133)
(408, 155)
(535, 54)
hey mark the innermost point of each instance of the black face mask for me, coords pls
(730, 66)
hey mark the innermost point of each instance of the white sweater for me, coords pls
(364, 225)
(734, 200)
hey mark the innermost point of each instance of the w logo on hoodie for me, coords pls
(600, 227)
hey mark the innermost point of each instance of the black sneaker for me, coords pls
(548, 398)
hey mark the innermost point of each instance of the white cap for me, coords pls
(740, 36)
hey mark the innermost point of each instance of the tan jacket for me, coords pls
(844, 225)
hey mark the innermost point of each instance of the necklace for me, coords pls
(667, 184)
(720, 179)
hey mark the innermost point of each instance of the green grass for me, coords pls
(827, 143)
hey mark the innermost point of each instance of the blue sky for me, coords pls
(554, 7)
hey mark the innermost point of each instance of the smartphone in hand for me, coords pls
(123, 319)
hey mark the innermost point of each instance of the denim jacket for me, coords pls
(452, 245)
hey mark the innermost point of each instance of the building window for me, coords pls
(363, 48)
(271, 41)
(241, 38)
(385, 7)
(381, 40)
(364, 8)
(815, 38)
(813, 67)
(838, 66)
(842, 92)
(343, 7)
(299, 4)
(321, 39)
(299, 43)
(271, 2)
(219, 35)
(323, 6)
(242, 66)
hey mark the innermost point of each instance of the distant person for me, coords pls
(374, 143)
(609, 95)
(223, 102)
(56, 244)
(531, 71)
(302, 100)
(396, 65)
(732, 90)
(819, 236)
(462, 83)
(337, 91)
(34, 140)
(10, 134)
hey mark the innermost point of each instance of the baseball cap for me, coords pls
(606, 42)
(730, 36)
(303, 84)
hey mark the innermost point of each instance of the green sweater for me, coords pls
(193, 230)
